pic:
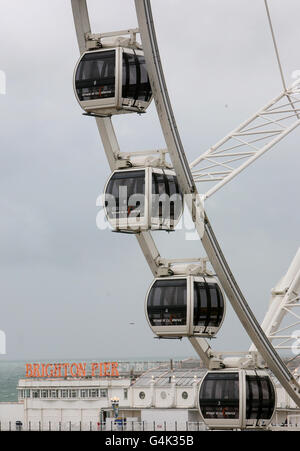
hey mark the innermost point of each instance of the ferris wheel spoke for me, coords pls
(283, 121)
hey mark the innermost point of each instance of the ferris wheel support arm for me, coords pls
(285, 298)
(206, 354)
(209, 241)
(249, 141)
(82, 22)
(109, 140)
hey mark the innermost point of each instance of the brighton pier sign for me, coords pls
(61, 370)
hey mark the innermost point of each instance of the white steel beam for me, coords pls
(248, 142)
(109, 140)
(285, 297)
(82, 22)
(205, 353)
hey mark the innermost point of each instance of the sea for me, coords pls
(10, 373)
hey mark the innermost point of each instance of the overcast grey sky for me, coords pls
(69, 290)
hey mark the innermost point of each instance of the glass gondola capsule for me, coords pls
(143, 199)
(237, 399)
(181, 306)
(112, 81)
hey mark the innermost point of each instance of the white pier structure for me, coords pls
(164, 397)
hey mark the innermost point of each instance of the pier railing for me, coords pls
(129, 426)
(111, 425)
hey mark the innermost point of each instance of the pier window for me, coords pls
(184, 395)
(142, 395)
(73, 393)
(125, 391)
(93, 393)
(84, 393)
(44, 394)
(103, 393)
(24, 394)
(64, 393)
(35, 393)
(54, 393)
(163, 395)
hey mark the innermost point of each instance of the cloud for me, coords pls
(66, 286)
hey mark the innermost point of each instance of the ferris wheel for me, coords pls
(116, 74)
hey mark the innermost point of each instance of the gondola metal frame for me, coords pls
(116, 104)
(146, 222)
(241, 422)
(188, 330)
